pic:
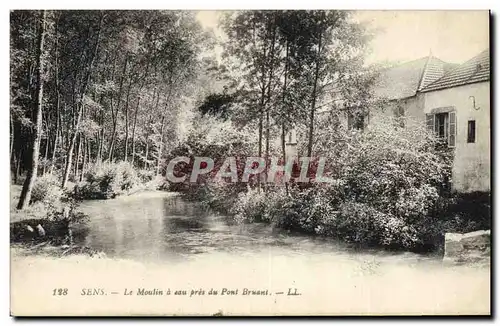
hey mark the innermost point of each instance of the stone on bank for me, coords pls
(468, 247)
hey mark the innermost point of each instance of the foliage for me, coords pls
(111, 77)
(47, 189)
(218, 105)
(106, 181)
(387, 191)
(145, 175)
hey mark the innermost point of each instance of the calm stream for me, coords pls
(159, 241)
(155, 226)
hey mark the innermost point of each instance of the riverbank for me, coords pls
(156, 240)
(34, 233)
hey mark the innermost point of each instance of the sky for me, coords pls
(452, 36)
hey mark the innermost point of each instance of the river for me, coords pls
(158, 241)
(155, 226)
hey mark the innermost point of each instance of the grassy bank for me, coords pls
(105, 181)
(52, 219)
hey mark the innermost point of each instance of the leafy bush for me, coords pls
(392, 185)
(361, 223)
(160, 183)
(216, 195)
(146, 175)
(106, 181)
(47, 189)
(48, 202)
(388, 190)
(252, 206)
(129, 177)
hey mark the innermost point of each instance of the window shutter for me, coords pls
(452, 136)
(430, 122)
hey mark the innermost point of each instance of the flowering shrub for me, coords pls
(106, 181)
(388, 191)
(47, 190)
(145, 175)
(258, 206)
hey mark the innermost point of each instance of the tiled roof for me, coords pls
(405, 80)
(474, 70)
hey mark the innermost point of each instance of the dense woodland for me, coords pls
(94, 86)
(101, 99)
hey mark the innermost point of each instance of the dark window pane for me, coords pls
(360, 122)
(471, 131)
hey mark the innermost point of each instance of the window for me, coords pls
(471, 131)
(443, 125)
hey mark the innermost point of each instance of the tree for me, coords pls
(109, 74)
(32, 173)
(80, 105)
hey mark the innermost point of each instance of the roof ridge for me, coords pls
(454, 69)
(466, 62)
(422, 76)
(403, 63)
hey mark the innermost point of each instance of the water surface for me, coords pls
(159, 241)
(154, 226)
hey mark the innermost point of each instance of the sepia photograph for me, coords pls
(250, 163)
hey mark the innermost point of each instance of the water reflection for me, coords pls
(165, 227)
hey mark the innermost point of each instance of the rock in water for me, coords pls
(40, 230)
(468, 247)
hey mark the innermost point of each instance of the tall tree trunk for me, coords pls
(284, 113)
(269, 87)
(58, 98)
(160, 149)
(314, 96)
(25, 198)
(114, 118)
(261, 118)
(133, 129)
(69, 156)
(146, 164)
(137, 109)
(89, 150)
(18, 166)
(126, 121)
(101, 146)
(114, 114)
(56, 140)
(100, 137)
(113, 133)
(46, 155)
(77, 160)
(11, 135)
(262, 107)
(13, 168)
(84, 158)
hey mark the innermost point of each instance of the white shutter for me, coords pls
(430, 122)
(452, 135)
